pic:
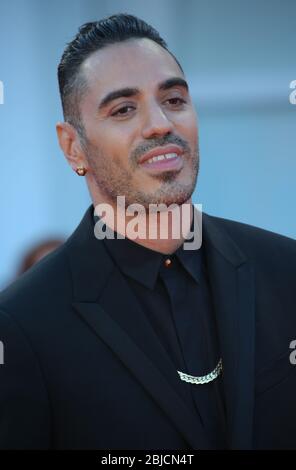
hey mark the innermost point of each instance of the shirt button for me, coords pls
(168, 263)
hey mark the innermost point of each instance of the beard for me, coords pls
(113, 180)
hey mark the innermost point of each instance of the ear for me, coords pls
(70, 145)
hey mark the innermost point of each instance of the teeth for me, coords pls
(166, 156)
(170, 155)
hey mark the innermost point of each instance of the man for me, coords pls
(134, 342)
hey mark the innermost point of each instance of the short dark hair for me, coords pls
(90, 38)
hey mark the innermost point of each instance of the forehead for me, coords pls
(137, 62)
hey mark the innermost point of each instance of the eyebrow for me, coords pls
(127, 92)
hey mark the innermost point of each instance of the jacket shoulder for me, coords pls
(49, 278)
(253, 237)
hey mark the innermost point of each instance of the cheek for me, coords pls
(118, 140)
(187, 121)
(189, 132)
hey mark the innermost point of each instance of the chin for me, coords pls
(178, 198)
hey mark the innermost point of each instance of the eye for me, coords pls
(122, 111)
(176, 101)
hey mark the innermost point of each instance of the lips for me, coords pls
(161, 154)
(174, 163)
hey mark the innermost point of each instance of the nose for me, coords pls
(156, 122)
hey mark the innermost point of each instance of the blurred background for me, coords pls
(239, 59)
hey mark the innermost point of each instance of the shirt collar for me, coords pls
(143, 264)
(192, 261)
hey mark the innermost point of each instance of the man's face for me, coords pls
(157, 116)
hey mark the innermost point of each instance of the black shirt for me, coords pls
(174, 292)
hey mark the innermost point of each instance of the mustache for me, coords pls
(153, 143)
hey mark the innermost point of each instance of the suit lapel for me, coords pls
(232, 285)
(120, 323)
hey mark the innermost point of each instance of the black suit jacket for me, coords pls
(84, 369)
